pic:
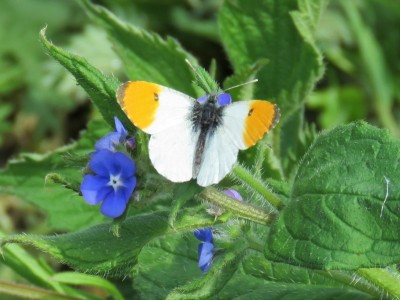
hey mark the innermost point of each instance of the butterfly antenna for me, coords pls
(242, 84)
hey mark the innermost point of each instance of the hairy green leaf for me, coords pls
(99, 87)
(97, 250)
(165, 264)
(344, 208)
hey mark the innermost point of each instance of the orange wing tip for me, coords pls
(262, 117)
(139, 101)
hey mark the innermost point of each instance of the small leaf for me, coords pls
(344, 208)
(28, 292)
(214, 280)
(89, 280)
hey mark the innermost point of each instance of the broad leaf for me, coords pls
(26, 178)
(97, 250)
(343, 212)
(146, 55)
(283, 33)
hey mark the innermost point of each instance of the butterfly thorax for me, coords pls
(206, 117)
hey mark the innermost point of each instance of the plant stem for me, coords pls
(245, 176)
(384, 279)
(352, 280)
(244, 210)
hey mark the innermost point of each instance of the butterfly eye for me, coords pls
(202, 99)
(224, 99)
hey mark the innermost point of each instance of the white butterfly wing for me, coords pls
(153, 108)
(172, 152)
(219, 156)
(165, 114)
(243, 124)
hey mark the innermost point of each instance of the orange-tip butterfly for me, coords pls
(195, 138)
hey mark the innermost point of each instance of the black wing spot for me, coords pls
(155, 96)
(250, 112)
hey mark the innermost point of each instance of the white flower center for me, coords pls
(115, 181)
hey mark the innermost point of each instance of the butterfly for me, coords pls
(195, 138)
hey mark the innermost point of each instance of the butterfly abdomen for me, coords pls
(205, 118)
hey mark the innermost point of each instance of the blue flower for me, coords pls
(233, 194)
(110, 140)
(205, 249)
(113, 182)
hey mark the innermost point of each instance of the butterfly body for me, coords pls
(195, 138)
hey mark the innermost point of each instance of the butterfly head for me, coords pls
(216, 99)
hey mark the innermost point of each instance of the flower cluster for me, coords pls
(112, 180)
(205, 249)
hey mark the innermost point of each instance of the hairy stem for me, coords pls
(245, 176)
(241, 209)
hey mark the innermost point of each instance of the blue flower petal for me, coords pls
(125, 165)
(114, 204)
(233, 194)
(91, 187)
(205, 254)
(104, 163)
(130, 184)
(108, 141)
(204, 235)
(97, 163)
(202, 99)
(120, 129)
(224, 99)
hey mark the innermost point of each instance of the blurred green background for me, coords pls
(42, 108)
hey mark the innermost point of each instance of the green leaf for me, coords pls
(343, 212)
(146, 56)
(165, 264)
(88, 280)
(294, 62)
(97, 250)
(247, 287)
(28, 292)
(283, 33)
(26, 266)
(215, 278)
(373, 61)
(242, 75)
(99, 87)
(66, 210)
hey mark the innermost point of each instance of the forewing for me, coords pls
(246, 122)
(153, 108)
(243, 124)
